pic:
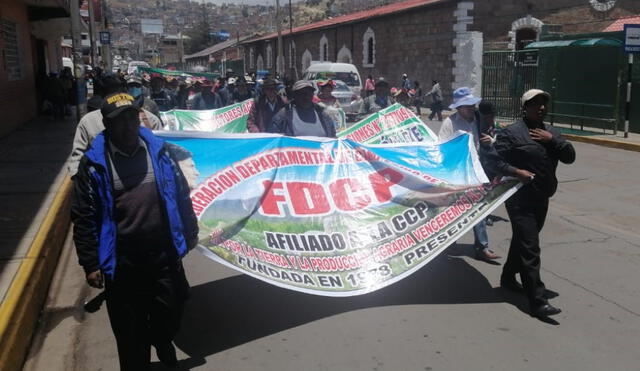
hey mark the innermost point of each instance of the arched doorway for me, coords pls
(524, 37)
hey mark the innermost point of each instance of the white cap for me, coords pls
(231, 81)
(530, 94)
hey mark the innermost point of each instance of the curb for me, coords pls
(24, 299)
(604, 142)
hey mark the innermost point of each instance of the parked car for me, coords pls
(346, 72)
(133, 66)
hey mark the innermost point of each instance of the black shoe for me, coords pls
(166, 353)
(511, 285)
(544, 310)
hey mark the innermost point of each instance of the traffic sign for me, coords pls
(105, 37)
(632, 38)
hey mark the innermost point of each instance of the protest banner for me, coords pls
(394, 124)
(333, 217)
(176, 73)
(229, 119)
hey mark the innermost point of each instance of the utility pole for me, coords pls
(106, 48)
(92, 35)
(78, 64)
(280, 57)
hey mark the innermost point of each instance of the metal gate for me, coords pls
(506, 75)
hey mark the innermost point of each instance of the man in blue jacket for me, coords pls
(133, 223)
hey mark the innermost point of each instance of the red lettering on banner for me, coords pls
(382, 181)
(441, 220)
(346, 200)
(308, 198)
(270, 200)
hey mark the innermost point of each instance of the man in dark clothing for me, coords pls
(133, 223)
(160, 94)
(265, 107)
(302, 117)
(531, 150)
(241, 92)
(207, 98)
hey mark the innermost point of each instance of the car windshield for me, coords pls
(349, 78)
(340, 86)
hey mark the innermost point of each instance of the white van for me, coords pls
(336, 71)
(133, 66)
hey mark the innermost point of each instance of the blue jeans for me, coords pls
(480, 235)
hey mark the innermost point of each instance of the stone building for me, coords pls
(432, 39)
(224, 56)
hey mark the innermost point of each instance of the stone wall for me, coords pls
(418, 43)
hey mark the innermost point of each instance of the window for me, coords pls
(344, 55)
(292, 55)
(251, 58)
(269, 56)
(369, 48)
(11, 53)
(306, 59)
(260, 63)
(324, 49)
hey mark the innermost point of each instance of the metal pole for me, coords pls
(92, 35)
(280, 58)
(106, 49)
(76, 37)
(290, 20)
(628, 104)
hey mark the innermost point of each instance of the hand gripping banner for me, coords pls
(333, 217)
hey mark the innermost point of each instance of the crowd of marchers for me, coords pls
(133, 217)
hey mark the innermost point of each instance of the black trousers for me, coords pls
(145, 303)
(527, 213)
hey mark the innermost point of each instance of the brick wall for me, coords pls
(17, 98)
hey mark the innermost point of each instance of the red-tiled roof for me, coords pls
(619, 24)
(353, 17)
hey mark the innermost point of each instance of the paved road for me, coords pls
(450, 315)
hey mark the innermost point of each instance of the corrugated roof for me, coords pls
(217, 47)
(618, 25)
(357, 16)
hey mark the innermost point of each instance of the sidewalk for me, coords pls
(33, 171)
(596, 136)
(586, 135)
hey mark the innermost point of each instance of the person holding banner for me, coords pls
(302, 117)
(379, 100)
(467, 119)
(133, 223)
(242, 92)
(160, 94)
(207, 98)
(531, 148)
(265, 107)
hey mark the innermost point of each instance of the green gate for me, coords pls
(506, 75)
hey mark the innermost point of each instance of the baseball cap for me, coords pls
(463, 97)
(382, 81)
(115, 104)
(302, 84)
(530, 94)
(134, 80)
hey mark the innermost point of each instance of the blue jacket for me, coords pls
(92, 208)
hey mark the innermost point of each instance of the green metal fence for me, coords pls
(506, 75)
